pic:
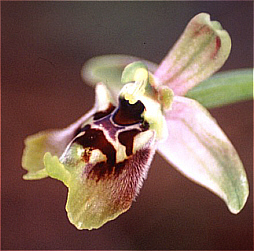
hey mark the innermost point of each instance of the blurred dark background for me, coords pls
(44, 45)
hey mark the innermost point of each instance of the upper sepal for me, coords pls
(200, 51)
(199, 149)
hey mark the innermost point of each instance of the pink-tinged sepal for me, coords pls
(198, 148)
(200, 51)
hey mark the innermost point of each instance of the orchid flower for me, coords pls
(104, 156)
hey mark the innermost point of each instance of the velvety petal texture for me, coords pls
(199, 149)
(95, 198)
(201, 50)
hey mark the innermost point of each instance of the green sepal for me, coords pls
(32, 159)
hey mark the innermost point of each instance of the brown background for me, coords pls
(44, 45)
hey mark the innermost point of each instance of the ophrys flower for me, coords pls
(104, 157)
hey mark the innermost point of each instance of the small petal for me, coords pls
(108, 69)
(201, 50)
(103, 97)
(199, 149)
(53, 141)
